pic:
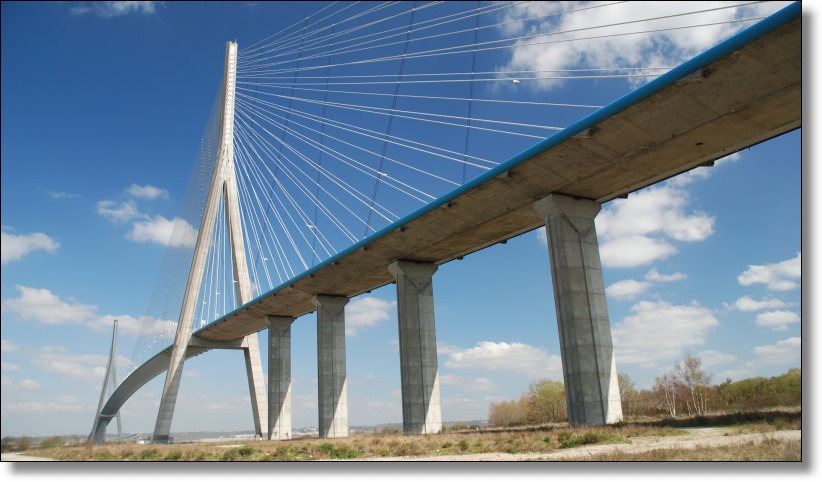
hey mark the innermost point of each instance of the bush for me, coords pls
(55, 441)
(174, 455)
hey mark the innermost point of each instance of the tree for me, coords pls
(507, 413)
(696, 382)
(666, 387)
(627, 393)
(546, 402)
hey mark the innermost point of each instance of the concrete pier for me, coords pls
(279, 377)
(331, 376)
(588, 366)
(421, 409)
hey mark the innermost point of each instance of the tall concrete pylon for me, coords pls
(223, 184)
(111, 377)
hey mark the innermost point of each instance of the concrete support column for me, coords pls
(279, 377)
(421, 410)
(331, 377)
(589, 369)
(256, 384)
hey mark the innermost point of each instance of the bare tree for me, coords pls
(696, 382)
(667, 386)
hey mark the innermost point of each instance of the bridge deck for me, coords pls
(745, 97)
(750, 91)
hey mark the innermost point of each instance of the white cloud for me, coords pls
(470, 384)
(9, 367)
(13, 247)
(627, 289)
(657, 331)
(631, 251)
(639, 230)
(27, 384)
(713, 357)
(146, 192)
(7, 347)
(746, 303)
(114, 9)
(777, 276)
(119, 213)
(515, 357)
(654, 275)
(61, 195)
(786, 351)
(666, 48)
(159, 230)
(777, 320)
(45, 307)
(366, 311)
(57, 359)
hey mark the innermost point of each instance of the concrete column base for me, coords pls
(279, 377)
(331, 372)
(421, 409)
(589, 370)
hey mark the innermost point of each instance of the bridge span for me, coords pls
(744, 91)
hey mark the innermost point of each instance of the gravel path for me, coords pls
(691, 438)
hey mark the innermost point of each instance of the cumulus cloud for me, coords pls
(783, 353)
(640, 230)
(654, 275)
(165, 232)
(43, 306)
(146, 192)
(616, 35)
(119, 212)
(779, 276)
(786, 351)
(14, 247)
(627, 289)
(746, 303)
(513, 357)
(366, 311)
(58, 360)
(657, 330)
(777, 320)
(9, 367)
(114, 9)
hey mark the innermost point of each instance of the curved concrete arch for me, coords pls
(142, 375)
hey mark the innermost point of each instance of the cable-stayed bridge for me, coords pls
(367, 145)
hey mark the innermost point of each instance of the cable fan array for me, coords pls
(352, 118)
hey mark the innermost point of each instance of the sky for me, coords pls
(104, 105)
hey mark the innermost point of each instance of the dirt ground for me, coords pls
(692, 437)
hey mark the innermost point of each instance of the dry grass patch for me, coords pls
(545, 438)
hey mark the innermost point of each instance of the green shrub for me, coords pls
(174, 455)
(149, 454)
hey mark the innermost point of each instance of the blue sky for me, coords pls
(103, 110)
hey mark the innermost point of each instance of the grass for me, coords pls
(767, 450)
(547, 438)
